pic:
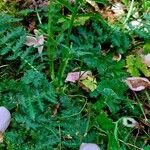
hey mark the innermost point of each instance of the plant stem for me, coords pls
(87, 126)
(140, 105)
(72, 21)
(51, 49)
(38, 16)
(66, 57)
(129, 12)
(76, 113)
(62, 68)
(148, 97)
(60, 138)
(129, 144)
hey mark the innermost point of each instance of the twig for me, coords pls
(148, 97)
(128, 144)
(60, 137)
(140, 105)
(3, 66)
(76, 113)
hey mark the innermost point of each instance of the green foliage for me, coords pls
(105, 122)
(136, 66)
(51, 114)
(32, 90)
(113, 97)
(92, 41)
(32, 102)
(9, 8)
(147, 148)
(143, 30)
(146, 47)
(12, 39)
(146, 5)
(126, 2)
(113, 143)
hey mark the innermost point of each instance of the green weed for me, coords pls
(48, 113)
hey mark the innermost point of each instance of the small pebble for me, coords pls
(5, 118)
(89, 146)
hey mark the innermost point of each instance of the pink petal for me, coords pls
(31, 41)
(74, 76)
(146, 59)
(40, 49)
(137, 83)
(5, 118)
(40, 40)
(89, 146)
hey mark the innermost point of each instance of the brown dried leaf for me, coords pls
(117, 57)
(93, 4)
(1, 137)
(137, 83)
(56, 107)
(31, 26)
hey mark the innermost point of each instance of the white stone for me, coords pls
(5, 118)
(89, 146)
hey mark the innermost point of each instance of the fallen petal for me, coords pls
(136, 23)
(85, 74)
(40, 40)
(146, 59)
(117, 8)
(72, 2)
(89, 146)
(5, 118)
(36, 32)
(40, 49)
(136, 15)
(31, 41)
(117, 57)
(72, 77)
(137, 83)
(75, 76)
(129, 122)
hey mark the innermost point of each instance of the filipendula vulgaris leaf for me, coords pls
(89, 83)
(12, 39)
(105, 122)
(147, 47)
(112, 143)
(131, 68)
(125, 2)
(146, 5)
(147, 147)
(99, 105)
(143, 30)
(109, 89)
(119, 41)
(111, 99)
(135, 65)
(142, 66)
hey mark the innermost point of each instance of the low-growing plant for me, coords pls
(49, 113)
